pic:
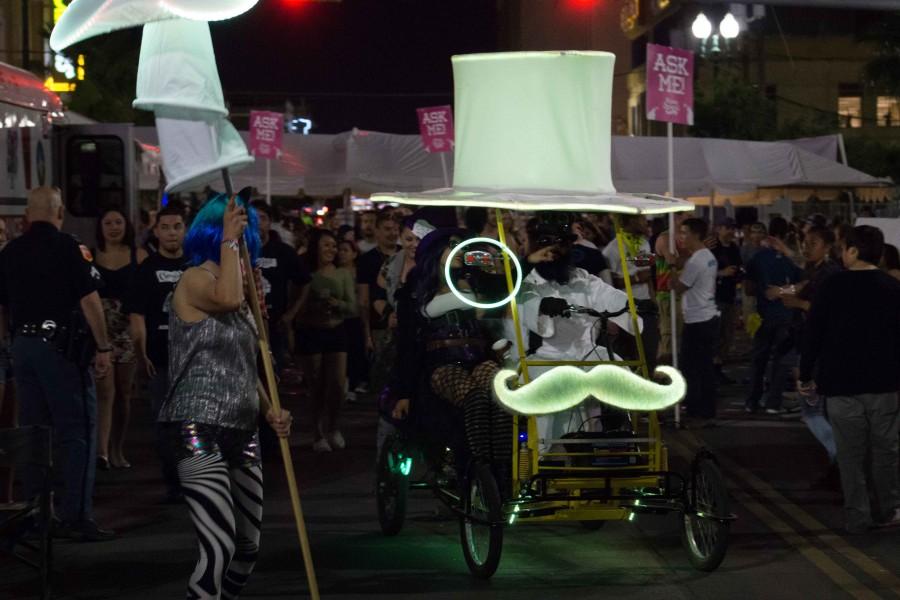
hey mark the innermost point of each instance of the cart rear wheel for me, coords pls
(706, 540)
(482, 542)
(392, 485)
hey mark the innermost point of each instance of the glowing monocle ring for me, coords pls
(503, 248)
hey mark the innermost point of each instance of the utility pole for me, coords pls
(26, 49)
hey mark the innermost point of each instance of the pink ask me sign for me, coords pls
(266, 131)
(670, 85)
(436, 127)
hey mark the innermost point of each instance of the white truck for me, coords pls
(95, 165)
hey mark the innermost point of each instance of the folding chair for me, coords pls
(29, 447)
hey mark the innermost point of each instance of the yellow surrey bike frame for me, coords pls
(584, 493)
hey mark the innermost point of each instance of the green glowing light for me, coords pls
(512, 517)
(631, 517)
(566, 386)
(406, 466)
(504, 248)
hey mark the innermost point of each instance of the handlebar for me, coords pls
(584, 310)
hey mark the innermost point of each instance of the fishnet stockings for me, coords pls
(489, 428)
(454, 383)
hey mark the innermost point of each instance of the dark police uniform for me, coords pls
(43, 276)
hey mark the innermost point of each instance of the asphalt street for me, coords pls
(786, 543)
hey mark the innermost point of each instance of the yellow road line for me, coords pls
(822, 561)
(869, 566)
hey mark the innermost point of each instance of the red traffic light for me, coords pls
(581, 5)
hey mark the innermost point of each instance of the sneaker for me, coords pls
(321, 445)
(775, 411)
(893, 521)
(362, 388)
(351, 397)
(83, 531)
(337, 440)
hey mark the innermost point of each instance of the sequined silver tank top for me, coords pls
(212, 370)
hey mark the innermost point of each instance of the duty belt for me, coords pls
(46, 329)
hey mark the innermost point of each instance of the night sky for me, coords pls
(362, 63)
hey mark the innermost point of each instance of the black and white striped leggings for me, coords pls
(226, 508)
(224, 492)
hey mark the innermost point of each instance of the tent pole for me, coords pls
(444, 169)
(269, 181)
(673, 303)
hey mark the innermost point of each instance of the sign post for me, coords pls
(436, 128)
(670, 98)
(266, 133)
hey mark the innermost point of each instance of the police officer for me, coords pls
(50, 297)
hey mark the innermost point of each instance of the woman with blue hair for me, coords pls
(210, 411)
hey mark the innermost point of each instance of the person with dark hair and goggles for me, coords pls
(445, 352)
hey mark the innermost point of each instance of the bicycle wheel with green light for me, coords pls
(392, 485)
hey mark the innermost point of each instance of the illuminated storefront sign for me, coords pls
(65, 72)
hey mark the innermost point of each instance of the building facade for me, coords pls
(808, 63)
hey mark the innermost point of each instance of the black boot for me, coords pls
(477, 416)
(502, 445)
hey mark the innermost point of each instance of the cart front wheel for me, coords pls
(392, 485)
(706, 539)
(481, 530)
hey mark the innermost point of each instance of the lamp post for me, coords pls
(729, 27)
(701, 28)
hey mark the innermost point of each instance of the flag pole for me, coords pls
(272, 386)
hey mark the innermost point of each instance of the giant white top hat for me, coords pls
(178, 80)
(84, 19)
(533, 133)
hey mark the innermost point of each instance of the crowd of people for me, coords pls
(363, 308)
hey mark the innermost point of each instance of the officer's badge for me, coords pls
(86, 253)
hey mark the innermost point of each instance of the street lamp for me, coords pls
(701, 28)
(729, 27)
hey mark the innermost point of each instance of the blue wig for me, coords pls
(204, 239)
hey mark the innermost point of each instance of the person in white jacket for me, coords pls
(554, 333)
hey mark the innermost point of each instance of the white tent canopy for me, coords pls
(369, 162)
(705, 166)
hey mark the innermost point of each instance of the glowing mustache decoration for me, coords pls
(564, 387)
